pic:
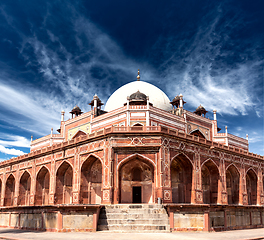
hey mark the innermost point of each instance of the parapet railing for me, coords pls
(133, 129)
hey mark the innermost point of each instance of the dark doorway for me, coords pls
(136, 194)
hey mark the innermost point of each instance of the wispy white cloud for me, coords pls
(10, 151)
(25, 108)
(14, 140)
(77, 78)
(256, 138)
(69, 79)
(66, 79)
(204, 79)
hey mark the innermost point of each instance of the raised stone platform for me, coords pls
(133, 217)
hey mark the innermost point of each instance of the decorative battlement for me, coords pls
(134, 130)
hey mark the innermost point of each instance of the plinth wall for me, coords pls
(59, 219)
(214, 218)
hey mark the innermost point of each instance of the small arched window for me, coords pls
(136, 174)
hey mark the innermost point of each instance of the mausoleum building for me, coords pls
(142, 150)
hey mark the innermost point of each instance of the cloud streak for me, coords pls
(10, 151)
(14, 140)
(27, 113)
(71, 67)
(202, 73)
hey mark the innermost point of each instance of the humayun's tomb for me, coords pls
(144, 163)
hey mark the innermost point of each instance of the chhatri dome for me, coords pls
(156, 96)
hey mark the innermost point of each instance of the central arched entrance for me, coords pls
(136, 180)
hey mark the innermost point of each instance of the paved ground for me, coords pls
(15, 234)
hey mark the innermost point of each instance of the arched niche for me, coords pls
(136, 181)
(181, 179)
(24, 189)
(42, 187)
(137, 125)
(9, 191)
(137, 174)
(79, 134)
(251, 181)
(91, 181)
(197, 133)
(210, 181)
(232, 184)
(64, 184)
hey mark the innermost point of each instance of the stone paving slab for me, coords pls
(249, 234)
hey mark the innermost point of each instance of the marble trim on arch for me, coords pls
(65, 160)
(210, 159)
(130, 157)
(21, 173)
(232, 164)
(179, 153)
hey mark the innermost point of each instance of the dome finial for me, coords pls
(138, 77)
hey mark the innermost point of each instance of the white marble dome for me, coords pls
(157, 97)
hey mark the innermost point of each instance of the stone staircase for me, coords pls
(133, 218)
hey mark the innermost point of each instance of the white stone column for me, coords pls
(147, 113)
(214, 111)
(62, 115)
(181, 101)
(128, 112)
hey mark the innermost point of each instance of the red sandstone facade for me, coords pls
(136, 154)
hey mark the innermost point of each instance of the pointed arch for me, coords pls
(252, 169)
(42, 186)
(91, 181)
(64, 177)
(136, 179)
(251, 183)
(91, 155)
(212, 161)
(133, 156)
(181, 178)
(25, 172)
(210, 181)
(41, 170)
(79, 133)
(232, 164)
(64, 161)
(232, 184)
(9, 191)
(137, 124)
(24, 188)
(136, 174)
(198, 133)
(183, 154)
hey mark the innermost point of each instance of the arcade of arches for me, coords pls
(135, 181)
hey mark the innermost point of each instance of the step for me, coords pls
(134, 206)
(135, 210)
(132, 216)
(133, 221)
(135, 227)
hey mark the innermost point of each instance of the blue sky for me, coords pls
(56, 54)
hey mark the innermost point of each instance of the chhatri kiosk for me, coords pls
(142, 158)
